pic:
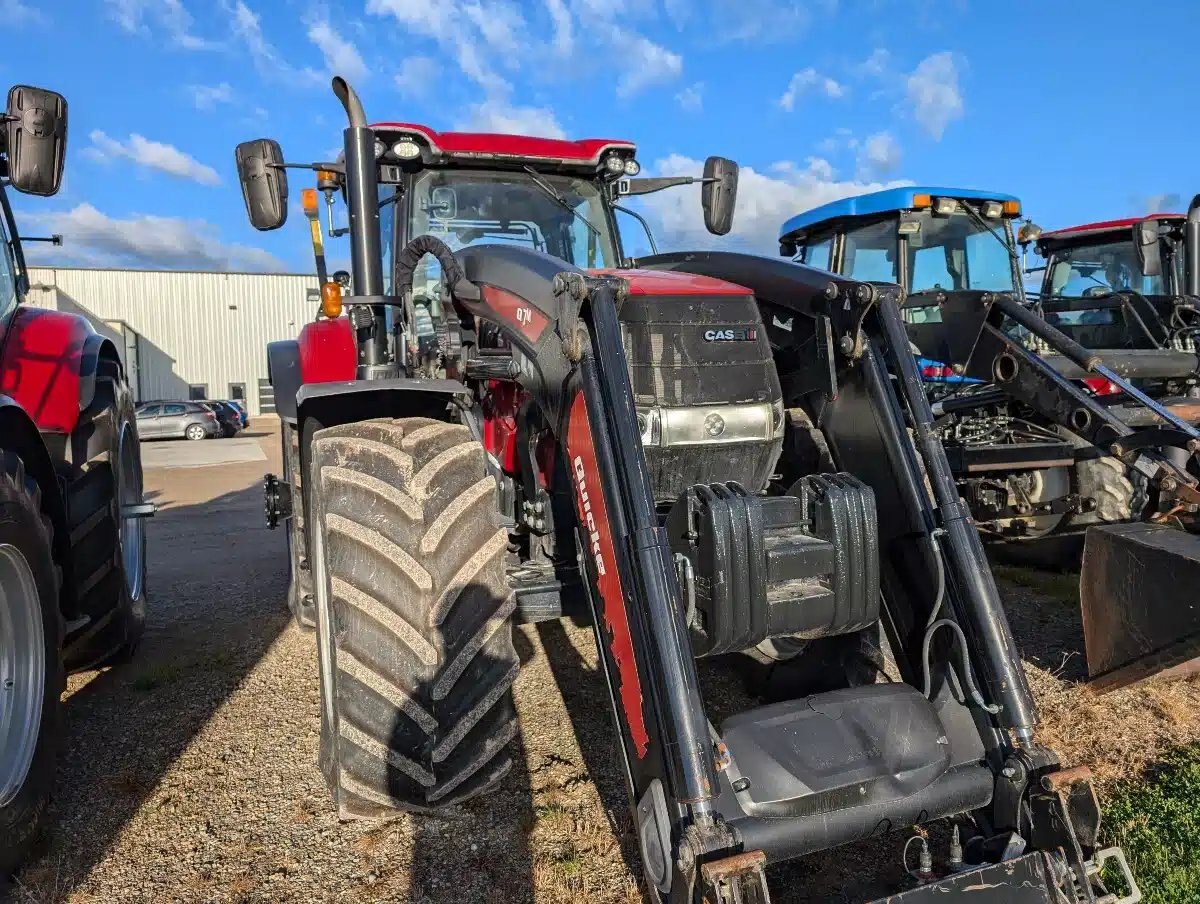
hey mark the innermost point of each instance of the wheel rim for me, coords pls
(22, 670)
(129, 493)
(195, 432)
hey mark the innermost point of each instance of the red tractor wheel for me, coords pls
(31, 671)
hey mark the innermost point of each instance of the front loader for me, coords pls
(1055, 448)
(506, 421)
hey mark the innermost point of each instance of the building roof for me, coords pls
(1085, 229)
(880, 202)
(487, 145)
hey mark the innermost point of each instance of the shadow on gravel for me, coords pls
(217, 587)
(479, 850)
(587, 703)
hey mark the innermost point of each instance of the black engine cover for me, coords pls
(802, 565)
(697, 351)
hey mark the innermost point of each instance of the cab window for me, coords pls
(818, 253)
(869, 252)
(8, 272)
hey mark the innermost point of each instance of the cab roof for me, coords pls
(442, 146)
(879, 202)
(1087, 230)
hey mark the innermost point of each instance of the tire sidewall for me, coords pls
(21, 526)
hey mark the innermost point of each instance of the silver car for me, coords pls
(171, 420)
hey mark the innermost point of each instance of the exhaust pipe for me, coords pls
(362, 200)
(1191, 248)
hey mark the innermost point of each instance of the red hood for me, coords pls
(673, 282)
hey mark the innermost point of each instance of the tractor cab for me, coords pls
(931, 241)
(1124, 285)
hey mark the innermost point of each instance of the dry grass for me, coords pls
(1118, 735)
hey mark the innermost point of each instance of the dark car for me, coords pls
(241, 407)
(228, 415)
(167, 419)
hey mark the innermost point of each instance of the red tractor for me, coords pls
(72, 542)
(710, 456)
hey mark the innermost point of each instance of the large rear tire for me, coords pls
(414, 616)
(108, 547)
(31, 671)
(301, 601)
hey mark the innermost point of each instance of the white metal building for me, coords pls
(186, 334)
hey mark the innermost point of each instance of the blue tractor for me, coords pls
(1025, 461)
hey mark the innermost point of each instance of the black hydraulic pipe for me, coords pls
(674, 684)
(969, 401)
(362, 200)
(1087, 359)
(1191, 249)
(963, 551)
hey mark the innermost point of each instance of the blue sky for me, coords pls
(1075, 107)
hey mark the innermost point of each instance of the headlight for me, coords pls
(945, 206)
(380, 147)
(632, 167)
(614, 164)
(406, 149)
(993, 209)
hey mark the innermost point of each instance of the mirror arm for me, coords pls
(339, 168)
(55, 239)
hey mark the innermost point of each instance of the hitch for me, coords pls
(735, 880)
(277, 501)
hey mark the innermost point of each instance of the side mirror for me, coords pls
(443, 203)
(35, 139)
(1145, 243)
(718, 194)
(264, 183)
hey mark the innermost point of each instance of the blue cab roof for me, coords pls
(880, 202)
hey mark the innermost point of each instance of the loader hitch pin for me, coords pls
(735, 880)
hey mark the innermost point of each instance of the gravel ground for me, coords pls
(190, 774)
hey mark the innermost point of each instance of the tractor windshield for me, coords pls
(1096, 270)
(958, 253)
(952, 253)
(559, 215)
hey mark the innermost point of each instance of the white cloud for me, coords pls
(171, 16)
(564, 30)
(492, 116)
(764, 202)
(92, 238)
(759, 21)
(644, 63)
(455, 27)
(691, 98)
(416, 76)
(341, 56)
(15, 12)
(1165, 202)
(153, 155)
(246, 27)
(809, 81)
(879, 155)
(933, 92)
(207, 97)
(877, 65)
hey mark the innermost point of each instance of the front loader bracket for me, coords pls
(735, 880)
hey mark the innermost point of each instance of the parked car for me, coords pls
(241, 407)
(167, 420)
(228, 416)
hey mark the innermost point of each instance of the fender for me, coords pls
(95, 347)
(325, 352)
(42, 359)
